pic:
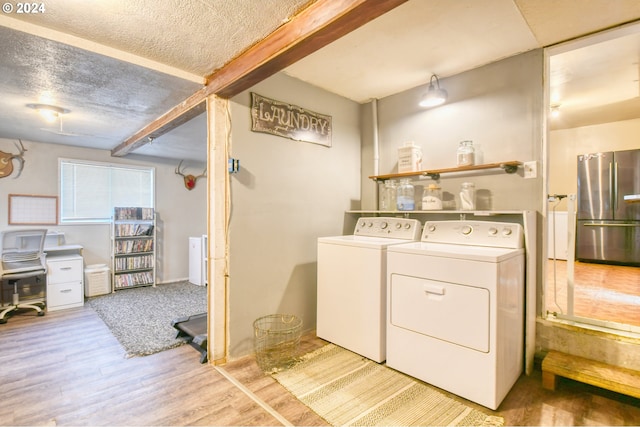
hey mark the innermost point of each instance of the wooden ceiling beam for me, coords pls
(318, 25)
(178, 115)
(315, 27)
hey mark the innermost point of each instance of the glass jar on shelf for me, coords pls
(388, 197)
(406, 195)
(432, 198)
(467, 196)
(466, 153)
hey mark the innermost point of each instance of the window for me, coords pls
(90, 190)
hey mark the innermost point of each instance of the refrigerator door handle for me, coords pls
(614, 193)
(612, 200)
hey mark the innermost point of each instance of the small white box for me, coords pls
(97, 280)
(409, 158)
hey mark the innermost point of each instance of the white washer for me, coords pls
(456, 308)
(352, 284)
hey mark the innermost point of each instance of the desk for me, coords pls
(60, 250)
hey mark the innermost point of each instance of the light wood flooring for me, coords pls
(603, 292)
(67, 369)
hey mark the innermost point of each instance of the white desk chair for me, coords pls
(22, 258)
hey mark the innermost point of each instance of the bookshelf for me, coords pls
(133, 247)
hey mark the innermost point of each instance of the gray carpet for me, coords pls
(140, 318)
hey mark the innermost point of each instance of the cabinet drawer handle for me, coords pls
(65, 291)
(433, 289)
(66, 268)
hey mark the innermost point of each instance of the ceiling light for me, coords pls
(435, 94)
(49, 112)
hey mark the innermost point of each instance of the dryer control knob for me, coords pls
(398, 226)
(370, 224)
(407, 226)
(506, 232)
(383, 225)
(432, 228)
(493, 231)
(467, 230)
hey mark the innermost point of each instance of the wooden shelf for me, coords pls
(509, 167)
(131, 268)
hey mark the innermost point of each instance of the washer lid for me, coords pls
(361, 241)
(467, 252)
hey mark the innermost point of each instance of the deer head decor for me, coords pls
(6, 161)
(189, 180)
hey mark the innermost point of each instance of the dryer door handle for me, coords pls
(433, 289)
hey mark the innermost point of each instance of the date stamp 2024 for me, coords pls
(23, 8)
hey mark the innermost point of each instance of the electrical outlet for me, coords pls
(234, 165)
(531, 169)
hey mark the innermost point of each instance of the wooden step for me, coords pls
(614, 378)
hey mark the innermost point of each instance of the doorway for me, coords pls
(594, 107)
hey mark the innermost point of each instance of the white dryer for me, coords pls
(456, 308)
(352, 288)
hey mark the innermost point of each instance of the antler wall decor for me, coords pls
(189, 180)
(6, 161)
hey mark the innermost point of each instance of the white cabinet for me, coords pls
(198, 260)
(64, 282)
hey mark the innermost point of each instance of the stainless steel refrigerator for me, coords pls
(608, 218)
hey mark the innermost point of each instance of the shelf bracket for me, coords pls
(433, 175)
(509, 168)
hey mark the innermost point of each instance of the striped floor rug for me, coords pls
(346, 389)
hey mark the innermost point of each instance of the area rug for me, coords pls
(347, 389)
(140, 318)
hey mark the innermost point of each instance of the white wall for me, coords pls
(287, 194)
(181, 213)
(498, 107)
(566, 144)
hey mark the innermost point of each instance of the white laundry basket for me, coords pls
(97, 280)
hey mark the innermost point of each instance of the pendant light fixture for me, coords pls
(435, 95)
(48, 112)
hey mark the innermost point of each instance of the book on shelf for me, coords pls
(134, 262)
(133, 230)
(130, 213)
(125, 247)
(133, 279)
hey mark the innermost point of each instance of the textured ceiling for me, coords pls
(108, 99)
(198, 36)
(119, 64)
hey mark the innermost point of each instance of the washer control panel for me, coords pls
(477, 233)
(393, 228)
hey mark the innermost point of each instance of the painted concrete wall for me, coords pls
(566, 144)
(181, 213)
(287, 194)
(498, 107)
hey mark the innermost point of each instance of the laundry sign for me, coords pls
(289, 121)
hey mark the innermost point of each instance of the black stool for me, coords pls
(194, 330)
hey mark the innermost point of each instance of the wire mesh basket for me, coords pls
(276, 340)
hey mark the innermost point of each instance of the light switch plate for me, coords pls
(531, 169)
